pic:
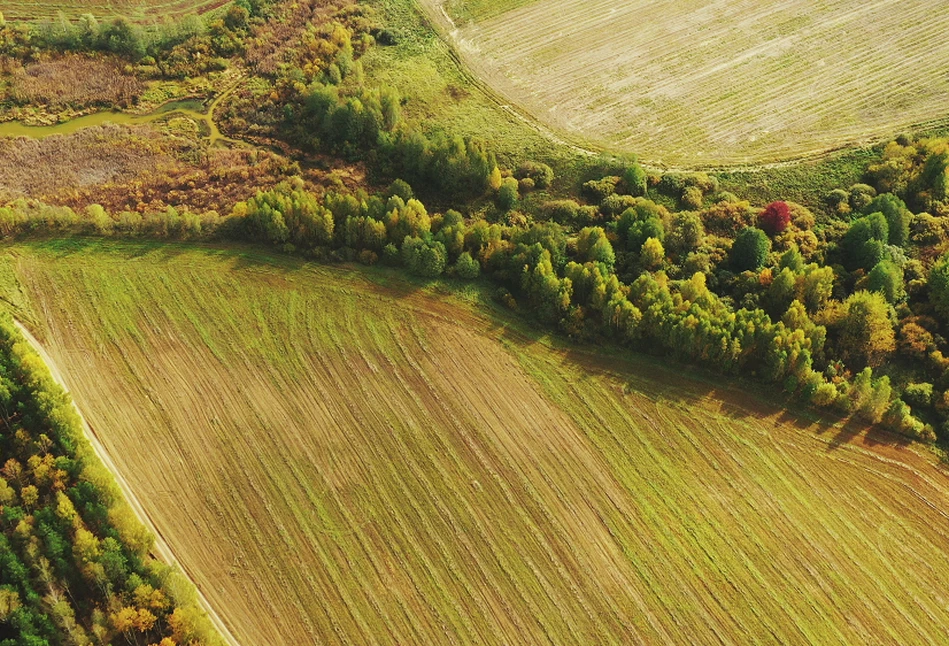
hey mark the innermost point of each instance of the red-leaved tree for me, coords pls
(775, 218)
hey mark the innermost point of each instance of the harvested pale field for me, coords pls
(689, 83)
(339, 457)
(141, 10)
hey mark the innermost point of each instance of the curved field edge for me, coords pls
(439, 474)
(442, 94)
(714, 86)
(160, 547)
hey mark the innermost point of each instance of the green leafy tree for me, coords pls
(780, 294)
(593, 245)
(816, 287)
(507, 194)
(642, 230)
(939, 286)
(863, 244)
(887, 278)
(550, 236)
(870, 398)
(406, 219)
(467, 267)
(547, 292)
(860, 196)
(686, 234)
(424, 257)
(541, 174)
(363, 232)
(652, 254)
(919, 395)
(289, 213)
(402, 189)
(751, 249)
(641, 221)
(897, 217)
(792, 259)
(866, 335)
(635, 178)
(692, 197)
(560, 211)
(123, 38)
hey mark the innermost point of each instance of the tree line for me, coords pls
(74, 560)
(845, 311)
(173, 48)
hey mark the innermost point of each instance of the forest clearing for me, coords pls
(440, 473)
(729, 82)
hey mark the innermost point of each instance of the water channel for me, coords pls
(192, 108)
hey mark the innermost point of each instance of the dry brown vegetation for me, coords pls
(74, 81)
(142, 168)
(58, 168)
(336, 460)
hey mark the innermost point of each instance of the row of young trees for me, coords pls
(74, 560)
(175, 48)
(772, 292)
(817, 305)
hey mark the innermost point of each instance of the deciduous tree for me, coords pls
(750, 251)
(775, 218)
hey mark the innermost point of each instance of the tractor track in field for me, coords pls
(161, 550)
(468, 47)
(378, 462)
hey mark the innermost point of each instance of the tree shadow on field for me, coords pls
(854, 430)
(661, 379)
(60, 248)
(126, 248)
(382, 280)
(687, 387)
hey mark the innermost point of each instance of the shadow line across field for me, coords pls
(659, 378)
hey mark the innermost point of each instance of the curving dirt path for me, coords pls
(160, 549)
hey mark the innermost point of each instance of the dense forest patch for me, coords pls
(75, 562)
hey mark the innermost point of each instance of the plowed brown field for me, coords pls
(716, 82)
(336, 456)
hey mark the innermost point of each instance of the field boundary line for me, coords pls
(444, 27)
(161, 548)
(481, 77)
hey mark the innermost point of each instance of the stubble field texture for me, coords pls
(726, 82)
(139, 10)
(338, 456)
